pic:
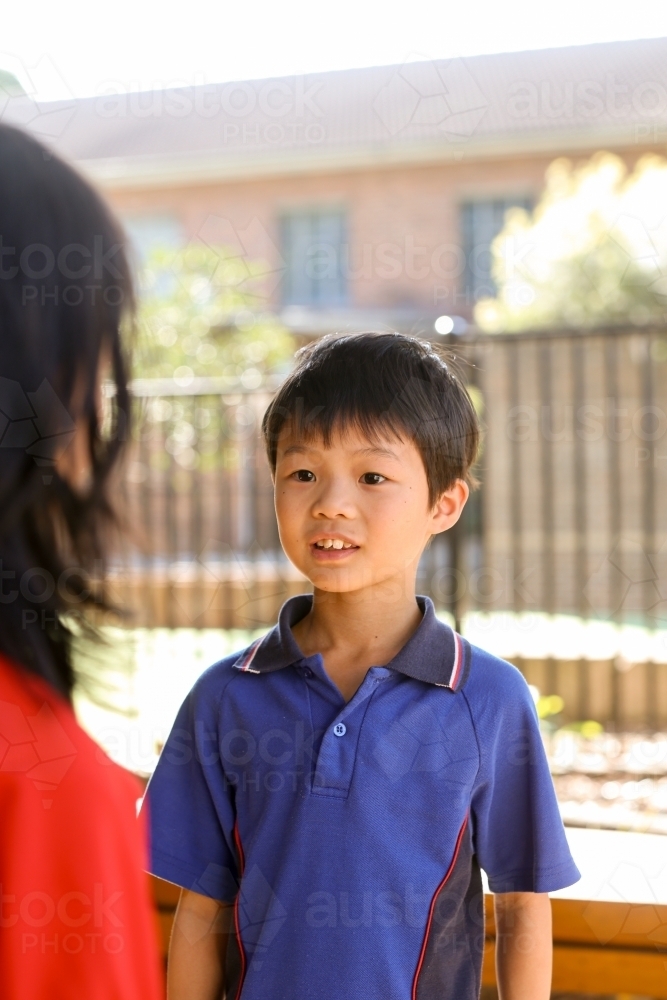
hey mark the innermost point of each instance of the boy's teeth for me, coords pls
(333, 543)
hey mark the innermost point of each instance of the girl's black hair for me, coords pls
(380, 382)
(65, 293)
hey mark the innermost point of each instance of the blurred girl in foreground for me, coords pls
(75, 910)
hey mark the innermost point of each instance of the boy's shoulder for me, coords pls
(213, 682)
(502, 713)
(494, 685)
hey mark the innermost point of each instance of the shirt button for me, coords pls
(307, 672)
(340, 729)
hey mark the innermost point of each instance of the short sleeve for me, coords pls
(190, 804)
(518, 832)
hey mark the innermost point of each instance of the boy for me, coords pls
(327, 797)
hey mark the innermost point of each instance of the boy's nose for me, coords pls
(333, 500)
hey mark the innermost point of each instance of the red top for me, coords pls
(76, 919)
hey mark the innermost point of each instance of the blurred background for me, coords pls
(491, 183)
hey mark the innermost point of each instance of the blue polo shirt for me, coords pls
(350, 835)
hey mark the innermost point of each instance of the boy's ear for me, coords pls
(449, 507)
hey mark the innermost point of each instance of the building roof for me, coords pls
(568, 99)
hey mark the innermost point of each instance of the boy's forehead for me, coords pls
(348, 439)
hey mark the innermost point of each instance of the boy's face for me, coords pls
(371, 497)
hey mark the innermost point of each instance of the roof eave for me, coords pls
(206, 168)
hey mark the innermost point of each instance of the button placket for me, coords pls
(338, 750)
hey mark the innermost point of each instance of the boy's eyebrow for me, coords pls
(376, 450)
(296, 449)
(300, 449)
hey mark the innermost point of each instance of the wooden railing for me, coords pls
(600, 948)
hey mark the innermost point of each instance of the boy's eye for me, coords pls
(303, 476)
(372, 478)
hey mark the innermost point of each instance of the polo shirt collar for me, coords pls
(434, 653)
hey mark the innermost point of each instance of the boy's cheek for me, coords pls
(286, 525)
(293, 543)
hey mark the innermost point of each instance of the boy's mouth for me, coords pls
(334, 543)
(329, 548)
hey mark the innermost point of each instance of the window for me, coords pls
(312, 244)
(152, 232)
(481, 221)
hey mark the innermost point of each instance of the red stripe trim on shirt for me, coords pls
(422, 956)
(250, 655)
(458, 661)
(239, 849)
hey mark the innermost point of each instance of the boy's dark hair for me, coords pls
(380, 382)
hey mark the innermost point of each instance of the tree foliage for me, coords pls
(593, 251)
(199, 315)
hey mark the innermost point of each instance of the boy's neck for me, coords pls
(355, 631)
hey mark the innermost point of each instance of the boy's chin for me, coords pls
(385, 590)
(327, 582)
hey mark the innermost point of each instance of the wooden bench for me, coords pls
(599, 947)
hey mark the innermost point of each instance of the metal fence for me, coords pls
(571, 517)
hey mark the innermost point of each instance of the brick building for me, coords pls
(372, 195)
